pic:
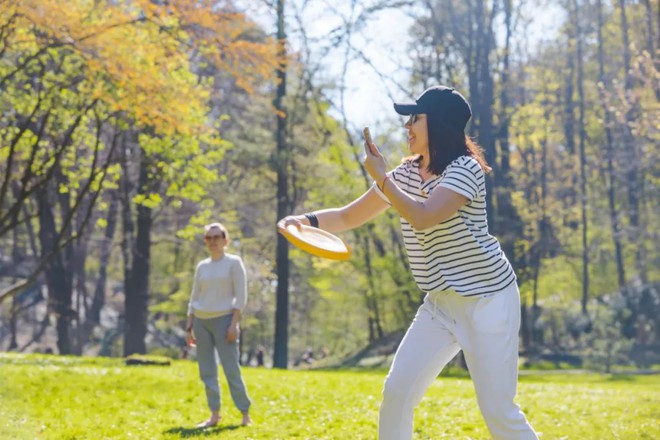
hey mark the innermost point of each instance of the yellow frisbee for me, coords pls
(317, 242)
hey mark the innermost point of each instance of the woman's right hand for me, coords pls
(296, 220)
(190, 338)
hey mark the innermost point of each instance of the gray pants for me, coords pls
(210, 335)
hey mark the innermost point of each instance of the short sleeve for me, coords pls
(462, 176)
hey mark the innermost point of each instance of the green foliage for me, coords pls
(209, 152)
(607, 345)
(546, 174)
(88, 398)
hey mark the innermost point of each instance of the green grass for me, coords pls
(49, 397)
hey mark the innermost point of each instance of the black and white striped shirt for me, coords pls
(458, 254)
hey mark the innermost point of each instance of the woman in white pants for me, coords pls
(472, 300)
(218, 295)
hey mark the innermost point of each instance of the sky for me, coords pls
(384, 40)
(368, 94)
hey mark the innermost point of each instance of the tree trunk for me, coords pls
(98, 298)
(82, 295)
(569, 105)
(542, 246)
(569, 116)
(482, 92)
(137, 288)
(128, 232)
(506, 211)
(373, 317)
(650, 45)
(281, 350)
(504, 164)
(583, 160)
(13, 319)
(629, 145)
(58, 277)
(650, 42)
(525, 334)
(93, 315)
(609, 149)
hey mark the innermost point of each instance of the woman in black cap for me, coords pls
(472, 301)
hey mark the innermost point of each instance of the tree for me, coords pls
(135, 61)
(582, 153)
(614, 214)
(282, 160)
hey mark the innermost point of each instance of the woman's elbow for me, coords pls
(345, 221)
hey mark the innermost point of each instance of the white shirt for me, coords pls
(458, 254)
(219, 287)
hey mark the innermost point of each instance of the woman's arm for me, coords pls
(239, 283)
(234, 330)
(441, 205)
(193, 294)
(358, 212)
(239, 280)
(189, 322)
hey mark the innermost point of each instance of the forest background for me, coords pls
(127, 126)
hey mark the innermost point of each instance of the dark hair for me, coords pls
(447, 144)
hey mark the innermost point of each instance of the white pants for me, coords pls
(486, 329)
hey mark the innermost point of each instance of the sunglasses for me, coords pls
(413, 119)
(214, 237)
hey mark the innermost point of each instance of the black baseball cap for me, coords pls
(445, 101)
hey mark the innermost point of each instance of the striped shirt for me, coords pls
(458, 254)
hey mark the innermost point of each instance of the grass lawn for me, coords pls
(50, 397)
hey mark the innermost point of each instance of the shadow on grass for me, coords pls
(618, 377)
(184, 432)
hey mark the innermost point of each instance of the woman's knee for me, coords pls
(208, 374)
(395, 389)
(504, 411)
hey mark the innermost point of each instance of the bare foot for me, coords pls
(210, 423)
(247, 421)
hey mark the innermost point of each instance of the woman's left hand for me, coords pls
(232, 333)
(374, 162)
